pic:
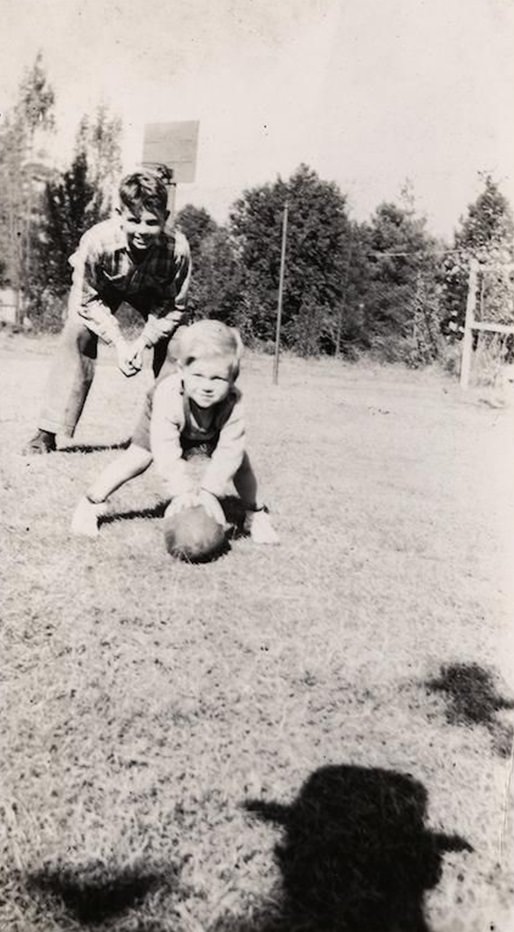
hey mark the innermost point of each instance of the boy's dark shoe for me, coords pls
(42, 442)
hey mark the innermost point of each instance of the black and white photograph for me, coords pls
(257, 466)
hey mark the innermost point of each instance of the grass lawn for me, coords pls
(310, 737)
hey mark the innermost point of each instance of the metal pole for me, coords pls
(467, 342)
(280, 292)
(343, 299)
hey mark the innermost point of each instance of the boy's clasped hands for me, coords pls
(130, 355)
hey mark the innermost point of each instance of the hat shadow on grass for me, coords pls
(356, 855)
(95, 893)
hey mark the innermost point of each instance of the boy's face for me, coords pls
(142, 227)
(208, 380)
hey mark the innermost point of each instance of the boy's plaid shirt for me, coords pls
(105, 275)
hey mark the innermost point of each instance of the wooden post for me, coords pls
(172, 195)
(280, 292)
(467, 342)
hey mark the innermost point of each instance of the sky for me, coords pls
(368, 93)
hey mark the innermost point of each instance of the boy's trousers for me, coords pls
(72, 374)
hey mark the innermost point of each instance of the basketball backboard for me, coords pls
(174, 145)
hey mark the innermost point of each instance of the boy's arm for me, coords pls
(166, 424)
(84, 297)
(165, 321)
(228, 455)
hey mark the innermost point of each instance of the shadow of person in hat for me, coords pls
(356, 855)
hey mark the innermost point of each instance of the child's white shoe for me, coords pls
(85, 517)
(260, 527)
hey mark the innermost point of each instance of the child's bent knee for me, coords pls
(137, 455)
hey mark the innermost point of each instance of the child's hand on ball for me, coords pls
(207, 500)
(187, 500)
(212, 506)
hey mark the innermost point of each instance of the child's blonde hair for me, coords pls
(207, 338)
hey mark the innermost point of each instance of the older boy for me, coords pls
(130, 257)
(197, 410)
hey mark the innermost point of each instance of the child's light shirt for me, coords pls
(105, 274)
(173, 430)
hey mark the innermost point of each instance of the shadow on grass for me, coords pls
(356, 855)
(153, 511)
(472, 699)
(232, 508)
(94, 893)
(94, 448)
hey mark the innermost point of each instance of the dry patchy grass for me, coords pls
(249, 745)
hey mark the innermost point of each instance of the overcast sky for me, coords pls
(366, 92)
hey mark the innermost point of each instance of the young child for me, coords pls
(197, 409)
(132, 257)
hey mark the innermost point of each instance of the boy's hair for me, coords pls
(208, 338)
(144, 190)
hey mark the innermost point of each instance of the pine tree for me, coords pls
(398, 265)
(216, 282)
(98, 139)
(19, 191)
(71, 205)
(318, 230)
(486, 233)
(196, 223)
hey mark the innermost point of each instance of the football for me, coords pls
(192, 535)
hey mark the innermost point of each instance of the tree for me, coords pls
(19, 193)
(196, 223)
(71, 202)
(71, 205)
(351, 332)
(400, 266)
(36, 99)
(486, 233)
(216, 282)
(98, 139)
(318, 230)
(488, 221)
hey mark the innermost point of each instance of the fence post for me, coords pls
(467, 342)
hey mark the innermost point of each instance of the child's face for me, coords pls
(207, 380)
(142, 227)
